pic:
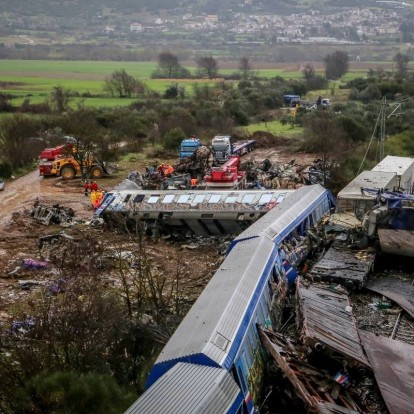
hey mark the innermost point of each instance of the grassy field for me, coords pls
(274, 127)
(35, 79)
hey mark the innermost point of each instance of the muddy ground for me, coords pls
(19, 233)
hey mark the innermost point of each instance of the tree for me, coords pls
(336, 64)
(308, 71)
(401, 60)
(207, 66)
(121, 84)
(17, 145)
(173, 138)
(168, 64)
(245, 67)
(60, 98)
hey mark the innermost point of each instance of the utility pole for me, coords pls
(382, 128)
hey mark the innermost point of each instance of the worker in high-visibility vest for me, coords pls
(169, 169)
(194, 182)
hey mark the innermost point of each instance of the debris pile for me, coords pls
(53, 215)
(289, 176)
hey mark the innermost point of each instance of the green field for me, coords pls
(35, 79)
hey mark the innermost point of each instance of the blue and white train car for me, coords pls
(219, 332)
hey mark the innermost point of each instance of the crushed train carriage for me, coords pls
(214, 359)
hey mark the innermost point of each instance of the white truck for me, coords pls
(222, 148)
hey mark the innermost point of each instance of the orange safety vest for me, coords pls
(194, 181)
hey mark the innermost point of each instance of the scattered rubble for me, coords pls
(53, 215)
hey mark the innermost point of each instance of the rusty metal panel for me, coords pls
(311, 384)
(343, 265)
(327, 321)
(399, 242)
(397, 290)
(393, 365)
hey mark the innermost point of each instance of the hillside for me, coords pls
(72, 8)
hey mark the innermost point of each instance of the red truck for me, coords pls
(227, 175)
(48, 155)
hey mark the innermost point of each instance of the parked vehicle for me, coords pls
(2, 184)
(213, 361)
(69, 168)
(222, 148)
(291, 100)
(188, 147)
(227, 175)
(48, 155)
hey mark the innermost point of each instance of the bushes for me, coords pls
(6, 169)
(173, 138)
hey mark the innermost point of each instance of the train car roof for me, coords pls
(368, 179)
(190, 389)
(282, 217)
(212, 331)
(399, 165)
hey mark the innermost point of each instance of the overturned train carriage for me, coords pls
(220, 330)
(201, 212)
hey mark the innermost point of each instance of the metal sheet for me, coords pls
(327, 319)
(397, 290)
(189, 389)
(399, 242)
(343, 265)
(393, 366)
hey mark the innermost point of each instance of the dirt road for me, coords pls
(20, 195)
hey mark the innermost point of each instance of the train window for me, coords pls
(138, 198)
(265, 198)
(153, 199)
(183, 198)
(249, 351)
(199, 199)
(230, 199)
(215, 198)
(168, 198)
(252, 338)
(127, 198)
(280, 198)
(260, 315)
(248, 198)
(242, 380)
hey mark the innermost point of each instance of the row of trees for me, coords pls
(169, 67)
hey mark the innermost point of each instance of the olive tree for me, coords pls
(207, 66)
(336, 64)
(120, 84)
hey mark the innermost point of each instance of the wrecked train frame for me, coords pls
(205, 213)
(220, 330)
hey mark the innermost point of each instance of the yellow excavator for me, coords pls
(68, 168)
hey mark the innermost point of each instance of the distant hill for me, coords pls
(73, 8)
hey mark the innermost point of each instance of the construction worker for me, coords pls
(93, 197)
(86, 187)
(194, 182)
(161, 169)
(168, 170)
(94, 186)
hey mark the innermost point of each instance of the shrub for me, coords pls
(6, 169)
(173, 138)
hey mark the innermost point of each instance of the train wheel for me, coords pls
(96, 172)
(67, 173)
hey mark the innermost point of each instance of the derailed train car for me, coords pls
(214, 361)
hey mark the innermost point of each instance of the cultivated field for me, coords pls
(35, 79)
